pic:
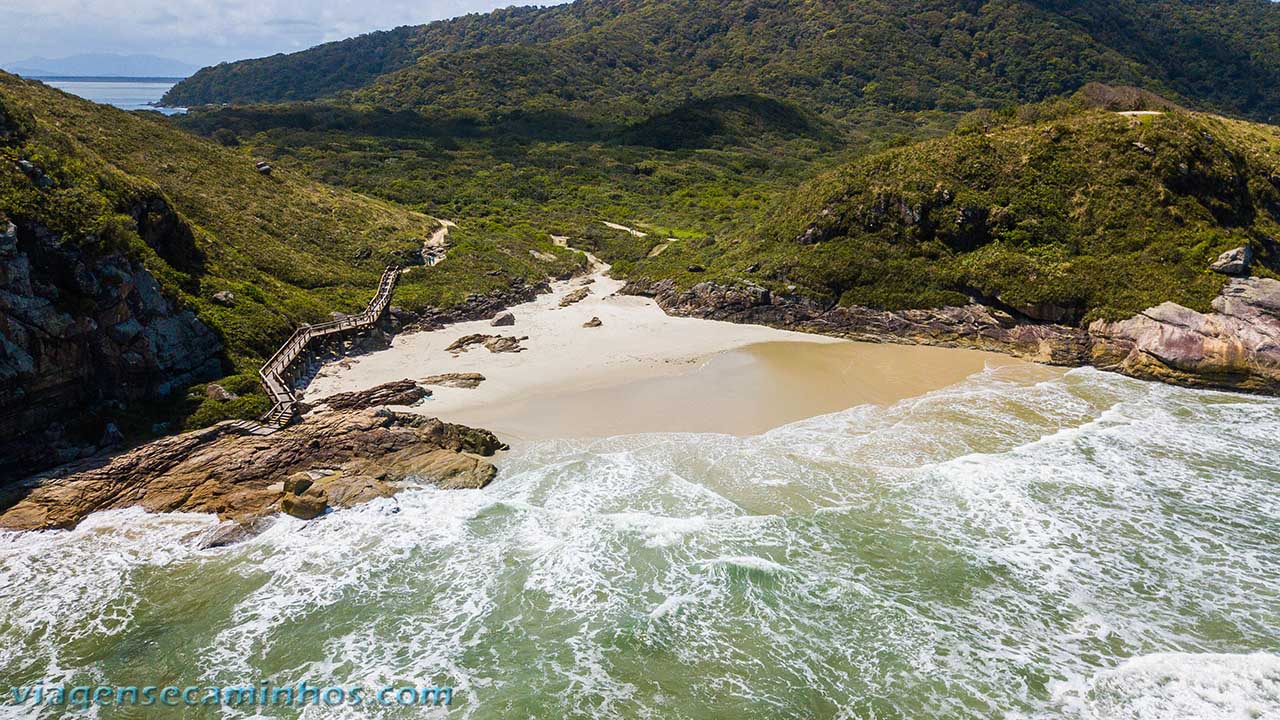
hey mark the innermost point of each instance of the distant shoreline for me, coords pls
(105, 78)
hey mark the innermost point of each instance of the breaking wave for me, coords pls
(1085, 546)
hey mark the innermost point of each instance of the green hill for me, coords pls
(615, 58)
(90, 182)
(1062, 211)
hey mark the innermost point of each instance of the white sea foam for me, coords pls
(1187, 686)
(1008, 546)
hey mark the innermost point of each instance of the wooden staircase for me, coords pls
(285, 404)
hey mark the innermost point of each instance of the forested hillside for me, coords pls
(1064, 211)
(614, 58)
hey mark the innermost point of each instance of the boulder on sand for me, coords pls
(575, 297)
(399, 392)
(468, 381)
(592, 323)
(505, 319)
(495, 343)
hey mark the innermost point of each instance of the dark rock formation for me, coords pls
(345, 457)
(399, 392)
(468, 381)
(84, 327)
(495, 343)
(481, 306)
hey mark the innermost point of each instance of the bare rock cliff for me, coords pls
(82, 328)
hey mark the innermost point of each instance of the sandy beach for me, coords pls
(644, 371)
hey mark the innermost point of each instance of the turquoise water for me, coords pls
(1086, 546)
(125, 94)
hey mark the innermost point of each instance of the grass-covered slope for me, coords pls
(1056, 211)
(613, 58)
(292, 250)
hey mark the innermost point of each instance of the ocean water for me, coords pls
(1086, 547)
(127, 94)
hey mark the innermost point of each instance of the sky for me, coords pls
(205, 32)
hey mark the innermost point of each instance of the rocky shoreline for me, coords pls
(1236, 347)
(330, 460)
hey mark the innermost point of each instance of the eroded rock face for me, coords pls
(1235, 347)
(347, 457)
(83, 328)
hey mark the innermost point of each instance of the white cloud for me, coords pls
(208, 31)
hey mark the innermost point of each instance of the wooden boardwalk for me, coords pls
(277, 370)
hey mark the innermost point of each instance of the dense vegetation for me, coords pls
(616, 58)
(1061, 211)
(875, 152)
(291, 249)
(690, 170)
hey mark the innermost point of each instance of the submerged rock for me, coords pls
(349, 457)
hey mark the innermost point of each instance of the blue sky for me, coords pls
(203, 32)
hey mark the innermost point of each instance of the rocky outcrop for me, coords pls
(1234, 262)
(1235, 347)
(346, 457)
(480, 306)
(467, 381)
(494, 343)
(971, 326)
(575, 296)
(83, 329)
(399, 392)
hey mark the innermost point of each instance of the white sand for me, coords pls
(637, 340)
(645, 371)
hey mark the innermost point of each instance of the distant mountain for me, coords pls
(101, 65)
(622, 57)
